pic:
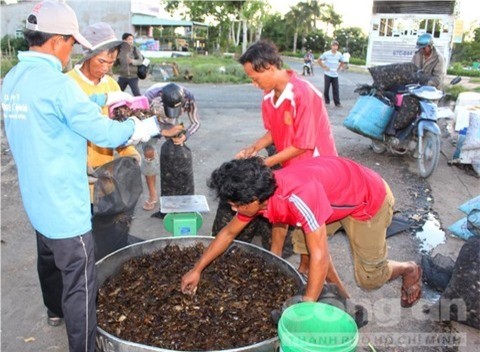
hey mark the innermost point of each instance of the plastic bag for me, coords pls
(118, 186)
(469, 205)
(460, 229)
(473, 222)
(176, 170)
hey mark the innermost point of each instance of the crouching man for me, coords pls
(313, 193)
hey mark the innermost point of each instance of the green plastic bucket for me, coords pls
(317, 327)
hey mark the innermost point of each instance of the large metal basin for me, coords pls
(111, 264)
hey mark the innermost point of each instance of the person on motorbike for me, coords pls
(308, 63)
(431, 71)
(429, 61)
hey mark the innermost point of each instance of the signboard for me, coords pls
(146, 7)
(458, 31)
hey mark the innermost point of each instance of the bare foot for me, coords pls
(411, 285)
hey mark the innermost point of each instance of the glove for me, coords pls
(140, 133)
(277, 313)
(115, 97)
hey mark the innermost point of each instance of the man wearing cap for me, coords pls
(332, 62)
(48, 120)
(91, 74)
(169, 101)
(430, 61)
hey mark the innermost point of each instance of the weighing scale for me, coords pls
(183, 214)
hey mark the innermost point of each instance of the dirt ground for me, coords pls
(230, 117)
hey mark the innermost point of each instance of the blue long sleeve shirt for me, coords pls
(48, 120)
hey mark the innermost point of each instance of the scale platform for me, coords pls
(183, 214)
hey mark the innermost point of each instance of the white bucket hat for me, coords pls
(102, 37)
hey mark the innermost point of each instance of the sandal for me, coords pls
(415, 287)
(54, 321)
(149, 205)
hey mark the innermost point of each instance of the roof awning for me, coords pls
(144, 20)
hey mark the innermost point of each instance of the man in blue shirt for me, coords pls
(48, 120)
(331, 61)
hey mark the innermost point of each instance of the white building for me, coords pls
(396, 25)
(132, 16)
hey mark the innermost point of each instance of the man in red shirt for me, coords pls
(313, 193)
(295, 119)
(293, 111)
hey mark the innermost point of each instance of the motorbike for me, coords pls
(419, 137)
(307, 68)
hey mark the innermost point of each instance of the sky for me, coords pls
(356, 13)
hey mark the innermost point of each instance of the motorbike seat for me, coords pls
(427, 92)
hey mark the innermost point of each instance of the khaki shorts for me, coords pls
(367, 242)
(150, 167)
(298, 237)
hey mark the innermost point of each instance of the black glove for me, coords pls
(331, 295)
(277, 313)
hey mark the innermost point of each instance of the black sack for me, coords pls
(259, 226)
(118, 186)
(142, 71)
(176, 170)
(387, 77)
(464, 286)
(406, 113)
(110, 232)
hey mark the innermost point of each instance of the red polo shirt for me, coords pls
(299, 118)
(323, 190)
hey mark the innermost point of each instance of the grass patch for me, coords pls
(6, 64)
(206, 69)
(453, 91)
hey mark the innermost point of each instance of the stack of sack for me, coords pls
(468, 226)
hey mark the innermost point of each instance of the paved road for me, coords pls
(230, 120)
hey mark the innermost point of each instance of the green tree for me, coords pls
(315, 41)
(353, 40)
(11, 46)
(232, 17)
(466, 53)
(275, 30)
(224, 13)
(330, 17)
(295, 23)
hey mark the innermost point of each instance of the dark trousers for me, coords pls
(333, 81)
(67, 273)
(123, 82)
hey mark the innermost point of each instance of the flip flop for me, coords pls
(149, 205)
(416, 286)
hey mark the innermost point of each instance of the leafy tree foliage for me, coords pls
(353, 40)
(316, 41)
(274, 30)
(11, 45)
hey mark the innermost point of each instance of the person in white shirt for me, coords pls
(331, 61)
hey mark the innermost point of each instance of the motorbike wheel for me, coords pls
(378, 147)
(431, 154)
